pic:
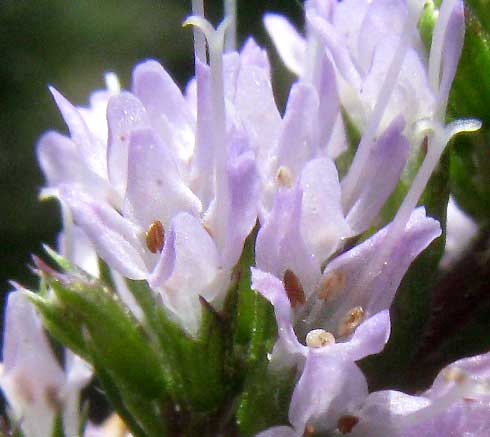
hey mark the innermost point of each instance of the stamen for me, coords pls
(24, 389)
(353, 180)
(199, 42)
(52, 398)
(155, 237)
(112, 83)
(215, 39)
(309, 431)
(435, 56)
(231, 15)
(284, 178)
(350, 321)
(345, 424)
(331, 285)
(293, 288)
(318, 338)
(454, 374)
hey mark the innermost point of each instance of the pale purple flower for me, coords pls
(37, 388)
(339, 297)
(457, 404)
(167, 188)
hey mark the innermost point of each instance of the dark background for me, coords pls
(71, 44)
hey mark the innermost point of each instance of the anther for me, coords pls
(284, 178)
(351, 321)
(318, 338)
(293, 288)
(155, 237)
(454, 374)
(52, 397)
(346, 423)
(331, 285)
(309, 431)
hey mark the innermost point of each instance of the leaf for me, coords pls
(470, 97)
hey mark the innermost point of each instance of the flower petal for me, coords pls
(371, 273)
(166, 107)
(323, 223)
(290, 45)
(155, 190)
(280, 245)
(124, 113)
(31, 373)
(116, 239)
(91, 148)
(327, 386)
(188, 268)
(387, 159)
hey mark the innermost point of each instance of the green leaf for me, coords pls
(470, 97)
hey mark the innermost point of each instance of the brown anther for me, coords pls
(24, 389)
(346, 423)
(155, 237)
(208, 230)
(309, 431)
(52, 397)
(351, 321)
(293, 288)
(454, 374)
(331, 285)
(284, 178)
(122, 137)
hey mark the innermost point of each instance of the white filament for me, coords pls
(353, 180)
(231, 16)
(215, 40)
(199, 42)
(436, 48)
(112, 83)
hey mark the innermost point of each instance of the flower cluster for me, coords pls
(165, 187)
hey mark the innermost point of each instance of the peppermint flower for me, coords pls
(37, 388)
(320, 305)
(167, 190)
(458, 403)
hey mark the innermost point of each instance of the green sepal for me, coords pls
(113, 393)
(117, 338)
(264, 397)
(61, 322)
(265, 400)
(254, 325)
(193, 366)
(58, 427)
